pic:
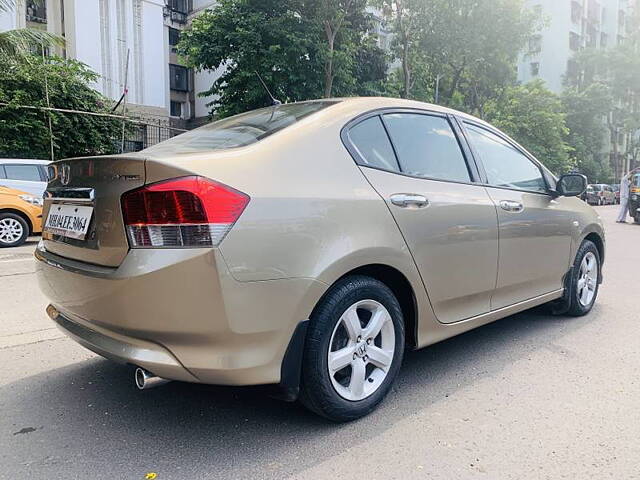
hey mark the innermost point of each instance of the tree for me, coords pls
(618, 70)
(474, 45)
(22, 41)
(336, 19)
(586, 112)
(534, 117)
(25, 132)
(408, 21)
(302, 48)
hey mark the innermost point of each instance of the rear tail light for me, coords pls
(182, 212)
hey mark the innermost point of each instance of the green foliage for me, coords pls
(534, 117)
(586, 111)
(615, 71)
(286, 42)
(471, 44)
(25, 133)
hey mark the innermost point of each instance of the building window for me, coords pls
(576, 12)
(178, 78)
(181, 6)
(36, 11)
(535, 44)
(176, 109)
(174, 38)
(574, 41)
(535, 69)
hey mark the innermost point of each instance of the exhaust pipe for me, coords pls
(146, 380)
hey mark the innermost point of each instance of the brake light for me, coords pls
(182, 212)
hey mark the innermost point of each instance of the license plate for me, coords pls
(69, 220)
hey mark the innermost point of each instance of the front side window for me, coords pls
(504, 164)
(371, 141)
(23, 172)
(427, 146)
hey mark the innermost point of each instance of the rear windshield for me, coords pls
(239, 130)
(597, 188)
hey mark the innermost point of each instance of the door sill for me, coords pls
(511, 309)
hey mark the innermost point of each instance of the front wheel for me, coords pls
(583, 288)
(13, 230)
(353, 350)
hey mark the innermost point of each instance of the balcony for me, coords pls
(36, 12)
(176, 10)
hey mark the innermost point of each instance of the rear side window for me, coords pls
(505, 165)
(427, 146)
(23, 172)
(239, 130)
(370, 140)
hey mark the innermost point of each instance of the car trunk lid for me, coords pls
(96, 182)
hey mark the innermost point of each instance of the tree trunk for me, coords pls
(404, 39)
(328, 70)
(455, 82)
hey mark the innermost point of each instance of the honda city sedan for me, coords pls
(310, 245)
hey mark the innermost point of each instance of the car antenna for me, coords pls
(274, 100)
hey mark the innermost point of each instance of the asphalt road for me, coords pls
(530, 396)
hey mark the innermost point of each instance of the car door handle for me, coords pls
(409, 200)
(511, 206)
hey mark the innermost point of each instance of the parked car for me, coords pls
(600, 194)
(616, 192)
(309, 245)
(634, 198)
(26, 175)
(20, 216)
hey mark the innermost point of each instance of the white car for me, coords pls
(26, 175)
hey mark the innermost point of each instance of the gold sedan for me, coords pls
(308, 245)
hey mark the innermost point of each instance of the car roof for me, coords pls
(24, 161)
(32, 161)
(364, 104)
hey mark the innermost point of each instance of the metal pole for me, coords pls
(124, 102)
(437, 96)
(46, 92)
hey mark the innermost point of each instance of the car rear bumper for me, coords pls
(178, 313)
(121, 349)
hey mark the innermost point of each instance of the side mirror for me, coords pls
(571, 185)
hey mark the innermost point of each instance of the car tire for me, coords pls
(585, 279)
(14, 230)
(350, 304)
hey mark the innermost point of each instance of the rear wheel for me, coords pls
(353, 350)
(13, 230)
(583, 289)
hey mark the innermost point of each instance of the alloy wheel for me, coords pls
(587, 279)
(11, 230)
(361, 350)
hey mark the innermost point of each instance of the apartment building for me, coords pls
(186, 107)
(571, 25)
(130, 41)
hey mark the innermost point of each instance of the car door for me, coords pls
(535, 227)
(25, 177)
(414, 161)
